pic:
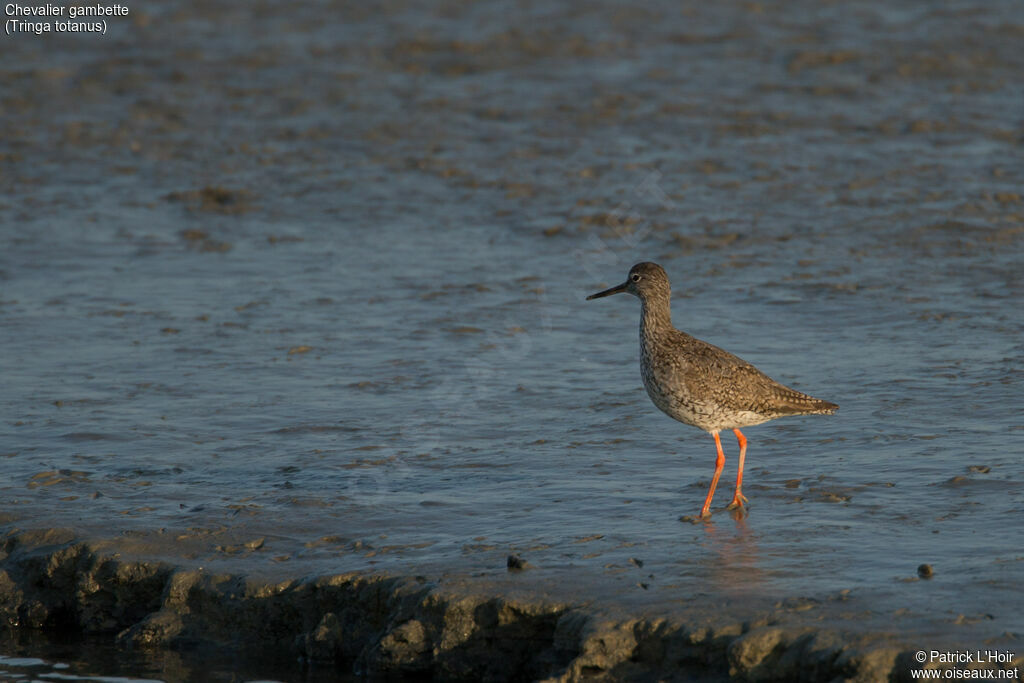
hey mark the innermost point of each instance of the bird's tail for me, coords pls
(797, 403)
(823, 407)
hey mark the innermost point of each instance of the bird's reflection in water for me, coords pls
(732, 563)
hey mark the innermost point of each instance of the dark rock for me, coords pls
(405, 649)
(515, 563)
(159, 629)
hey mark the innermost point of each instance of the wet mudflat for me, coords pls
(304, 296)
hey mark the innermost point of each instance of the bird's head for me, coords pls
(645, 280)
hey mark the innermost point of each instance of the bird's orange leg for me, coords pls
(719, 464)
(738, 499)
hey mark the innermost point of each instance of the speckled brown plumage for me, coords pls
(700, 384)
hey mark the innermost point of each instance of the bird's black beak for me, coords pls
(608, 292)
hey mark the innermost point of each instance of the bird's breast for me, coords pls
(664, 380)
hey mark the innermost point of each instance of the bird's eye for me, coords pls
(635, 277)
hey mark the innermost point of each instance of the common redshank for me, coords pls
(700, 384)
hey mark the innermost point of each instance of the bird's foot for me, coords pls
(704, 516)
(737, 501)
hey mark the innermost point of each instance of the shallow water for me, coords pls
(308, 294)
(31, 657)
